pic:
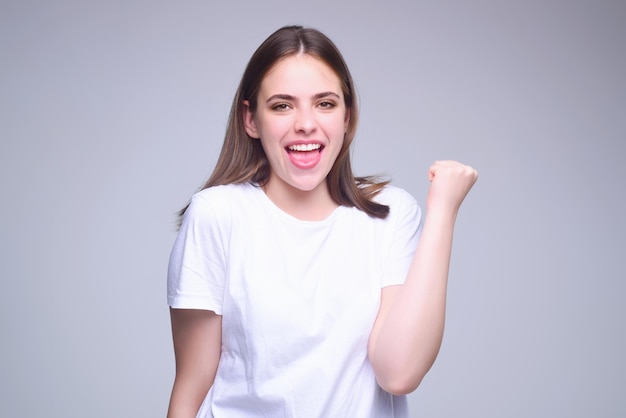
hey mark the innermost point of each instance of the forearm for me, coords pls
(186, 398)
(409, 334)
(197, 348)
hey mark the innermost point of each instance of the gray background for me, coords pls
(112, 114)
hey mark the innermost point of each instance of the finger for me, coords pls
(451, 166)
(449, 163)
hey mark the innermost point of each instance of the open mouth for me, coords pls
(305, 156)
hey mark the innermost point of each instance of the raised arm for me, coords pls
(407, 333)
(197, 338)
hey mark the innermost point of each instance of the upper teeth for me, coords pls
(304, 147)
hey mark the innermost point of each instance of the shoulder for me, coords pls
(403, 208)
(225, 196)
(220, 202)
(393, 196)
(227, 191)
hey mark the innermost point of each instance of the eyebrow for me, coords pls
(291, 98)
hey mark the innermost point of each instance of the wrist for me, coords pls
(442, 213)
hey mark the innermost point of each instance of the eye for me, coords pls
(280, 106)
(326, 104)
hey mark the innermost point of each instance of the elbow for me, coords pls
(400, 372)
(400, 377)
(401, 385)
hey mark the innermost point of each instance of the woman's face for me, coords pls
(301, 120)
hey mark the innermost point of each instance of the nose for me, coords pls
(305, 122)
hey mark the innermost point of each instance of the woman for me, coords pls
(296, 289)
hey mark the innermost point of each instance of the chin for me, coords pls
(307, 186)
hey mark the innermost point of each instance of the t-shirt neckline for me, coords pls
(267, 202)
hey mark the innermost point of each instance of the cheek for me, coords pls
(276, 127)
(335, 124)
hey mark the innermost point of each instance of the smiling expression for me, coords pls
(301, 120)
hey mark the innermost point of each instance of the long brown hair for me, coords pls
(243, 160)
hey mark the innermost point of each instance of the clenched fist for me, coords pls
(450, 183)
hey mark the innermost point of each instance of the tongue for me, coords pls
(304, 159)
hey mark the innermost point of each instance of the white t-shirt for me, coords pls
(298, 300)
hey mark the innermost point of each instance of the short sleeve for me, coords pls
(406, 223)
(197, 266)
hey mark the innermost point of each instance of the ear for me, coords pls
(346, 121)
(248, 121)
